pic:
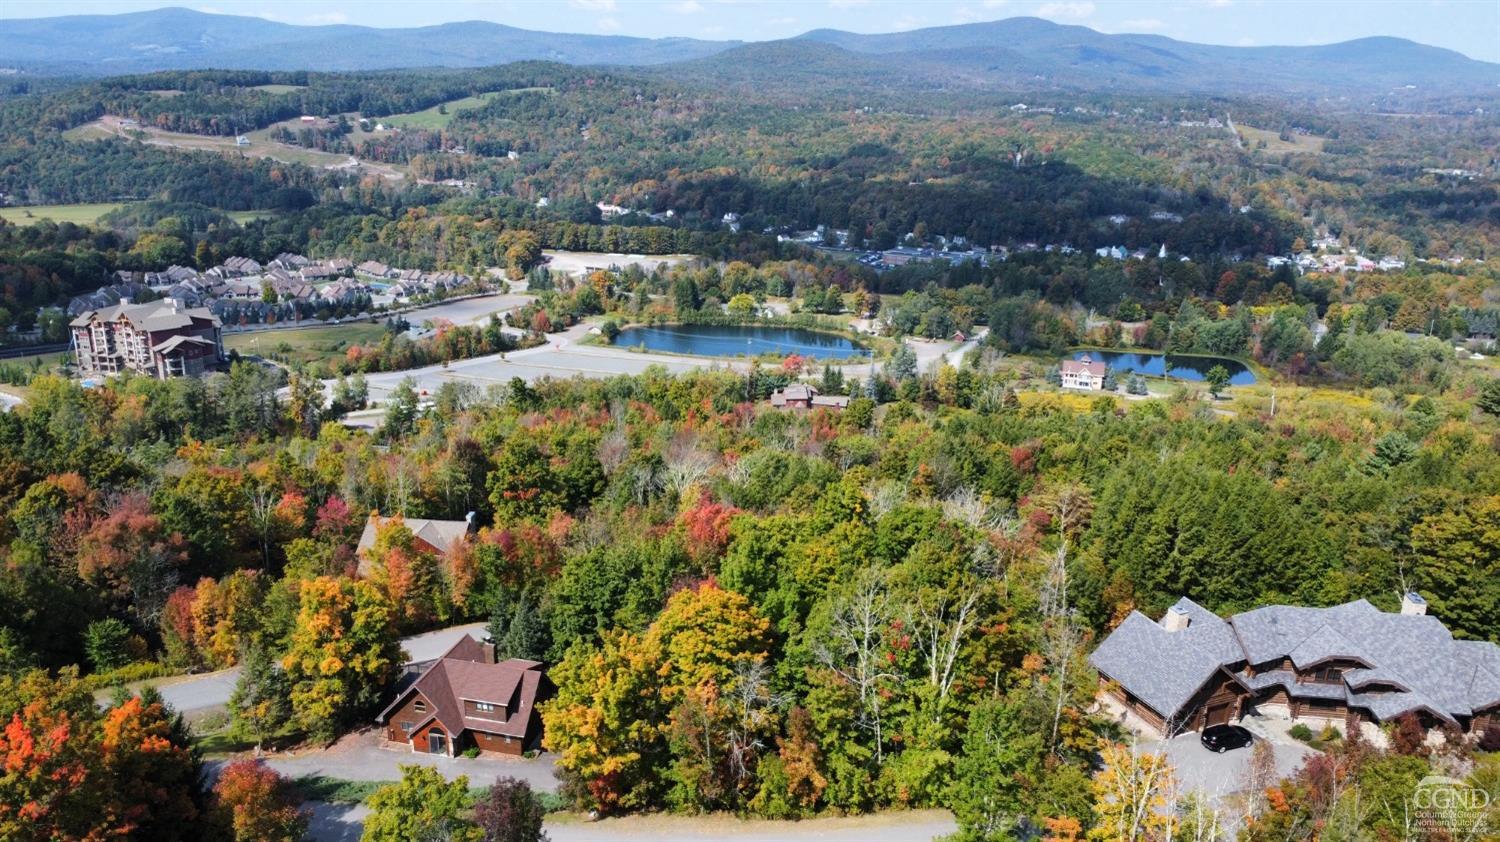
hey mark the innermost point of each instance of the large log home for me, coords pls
(1351, 665)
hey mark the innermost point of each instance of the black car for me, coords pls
(1222, 738)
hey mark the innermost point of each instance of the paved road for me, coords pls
(344, 822)
(192, 694)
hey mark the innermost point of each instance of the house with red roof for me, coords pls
(465, 699)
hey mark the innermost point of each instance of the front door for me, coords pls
(437, 742)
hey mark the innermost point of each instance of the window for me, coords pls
(406, 728)
(1327, 675)
(419, 706)
(484, 707)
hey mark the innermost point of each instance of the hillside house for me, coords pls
(1083, 373)
(1351, 666)
(466, 700)
(434, 536)
(803, 396)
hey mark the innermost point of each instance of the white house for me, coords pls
(1085, 373)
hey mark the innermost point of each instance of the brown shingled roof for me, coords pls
(463, 672)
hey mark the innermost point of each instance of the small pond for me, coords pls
(1183, 368)
(739, 340)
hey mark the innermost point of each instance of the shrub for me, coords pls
(1301, 732)
(510, 812)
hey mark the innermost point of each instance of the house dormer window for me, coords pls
(484, 707)
(419, 706)
(1327, 675)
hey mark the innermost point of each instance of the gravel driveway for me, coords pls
(363, 757)
(1218, 775)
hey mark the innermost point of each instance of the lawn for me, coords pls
(90, 213)
(277, 89)
(430, 118)
(1274, 143)
(76, 214)
(249, 215)
(305, 345)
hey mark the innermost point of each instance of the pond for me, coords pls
(1183, 368)
(738, 340)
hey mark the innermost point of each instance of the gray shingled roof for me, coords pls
(151, 316)
(1161, 668)
(1414, 653)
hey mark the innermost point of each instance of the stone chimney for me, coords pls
(1412, 603)
(1175, 620)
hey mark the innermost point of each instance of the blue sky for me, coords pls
(1471, 27)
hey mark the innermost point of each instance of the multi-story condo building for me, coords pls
(158, 339)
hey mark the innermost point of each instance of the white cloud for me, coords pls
(994, 4)
(1216, 4)
(1072, 9)
(687, 7)
(847, 4)
(607, 24)
(1142, 25)
(786, 21)
(593, 5)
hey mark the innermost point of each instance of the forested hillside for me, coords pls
(876, 595)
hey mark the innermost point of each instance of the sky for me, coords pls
(1471, 27)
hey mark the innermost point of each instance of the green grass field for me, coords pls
(429, 118)
(277, 89)
(90, 213)
(306, 345)
(249, 216)
(76, 214)
(1274, 143)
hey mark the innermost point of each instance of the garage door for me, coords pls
(1219, 714)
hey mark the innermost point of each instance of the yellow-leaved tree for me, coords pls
(1133, 796)
(344, 653)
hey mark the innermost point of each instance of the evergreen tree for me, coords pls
(260, 705)
(520, 630)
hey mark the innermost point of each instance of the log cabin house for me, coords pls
(1352, 666)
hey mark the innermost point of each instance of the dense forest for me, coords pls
(748, 610)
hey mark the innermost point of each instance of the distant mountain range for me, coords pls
(1014, 53)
